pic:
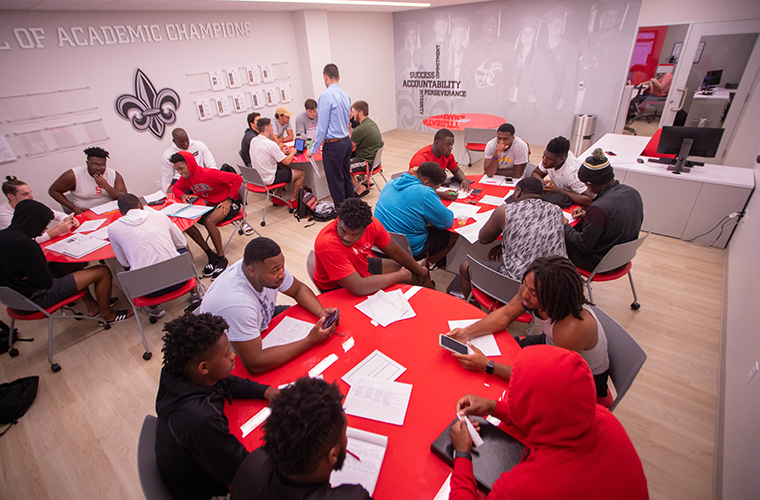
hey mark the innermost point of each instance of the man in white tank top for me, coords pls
(552, 289)
(90, 185)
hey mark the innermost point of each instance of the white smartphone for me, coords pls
(452, 345)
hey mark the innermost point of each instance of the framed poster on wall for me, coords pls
(204, 110)
(258, 99)
(271, 97)
(254, 75)
(238, 103)
(267, 75)
(217, 80)
(284, 93)
(233, 78)
(223, 106)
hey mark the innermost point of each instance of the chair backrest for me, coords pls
(529, 168)
(139, 282)
(243, 197)
(311, 266)
(69, 196)
(620, 255)
(378, 156)
(251, 176)
(492, 283)
(152, 483)
(478, 135)
(651, 148)
(11, 298)
(626, 356)
(400, 240)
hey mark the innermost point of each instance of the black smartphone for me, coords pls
(192, 200)
(330, 320)
(157, 202)
(452, 345)
(299, 145)
(475, 192)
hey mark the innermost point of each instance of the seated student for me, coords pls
(245, 296)
(195, 452)
(553, 290)
(440, 153)
(16, 190)
(304, 441)
(251, 132)
(506, 154)
(410, 206)
(23, 267)
(283, 130)
(367, 140)
(182, 142)
(658, 89)
(342, 251)
(271, 161)
(90, 185)
(563, 186)
(529, 228)
(141, 238)
(574, 447)
(217, 189)
(306, 122)
(614, 217)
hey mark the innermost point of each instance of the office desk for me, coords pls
(318, 183)
(682, 206)
(457, 122)
(106, 252)
(410, 470)
(708, 108)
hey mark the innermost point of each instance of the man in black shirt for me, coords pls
(251, 132)
(196, 454)
(304, 441)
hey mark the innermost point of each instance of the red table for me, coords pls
(464, 120)
(410, 470)
(105, 252)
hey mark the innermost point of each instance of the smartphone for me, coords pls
(475, 192)
(452, 345)
(330, 320)
(299, 145)
(192, 200)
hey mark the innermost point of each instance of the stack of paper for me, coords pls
(377, 365)
(370, 448)
(77, 245)
(463, 209)
(90, 225)
(288, 331)
(105, 208)
(486, 343)
(492, 200)
(158, 195)
(378, 400)
(471, 231)
(386, 308)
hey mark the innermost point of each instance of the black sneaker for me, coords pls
(208, 270)
(221, 265)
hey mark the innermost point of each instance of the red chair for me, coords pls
(475, 139)
(374, 169)
(492, 289)
(17, 306)
(650, 149)
(254, 183)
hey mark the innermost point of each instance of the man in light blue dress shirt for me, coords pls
(332, 128)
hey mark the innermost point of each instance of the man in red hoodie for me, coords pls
(219, 190)
(575, 449)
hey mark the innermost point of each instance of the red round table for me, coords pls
(409, 467)
(461, 121)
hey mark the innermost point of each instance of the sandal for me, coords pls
(111, 302)
(121, 315)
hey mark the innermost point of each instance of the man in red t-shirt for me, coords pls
(440, 153)
(343, 254)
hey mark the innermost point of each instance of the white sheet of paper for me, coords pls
(6, 153)
(496, 180)
(89, 225)
(101, 234)
(470, 232)
(370, 448)
(492, 200)
(569, 217)
(376, 365)
(463, 209)
(314, 165)
(172, 208)
(386, 308)
(158, 195)
(255, 421)
(378, 400)
(412, 291)
(348, 344)
(493, 420)
(476, 439)
(486, 343)
(77, 245)
(323, 365)
(105, 208)
(445, 491)
(288, 331)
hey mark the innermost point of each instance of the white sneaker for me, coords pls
(155, 311)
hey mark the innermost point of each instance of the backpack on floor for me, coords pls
(324, 211)
(15, 398)
(5, 332)
(306, 203)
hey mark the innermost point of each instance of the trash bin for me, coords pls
(583, 133)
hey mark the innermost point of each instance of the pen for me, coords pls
(341, 334)
(353, 455)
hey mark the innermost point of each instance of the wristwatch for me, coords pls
(463, 454)
(489, 367)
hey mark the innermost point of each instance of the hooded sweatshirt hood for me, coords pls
(134, 217)
(406, 181)
(31, 218)
(191, 163)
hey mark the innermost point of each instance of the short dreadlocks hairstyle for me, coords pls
(97, 152)
(306, 421)
(188, 338)
(260, 249)
(355, 214)
(558, 146)
(559, 287)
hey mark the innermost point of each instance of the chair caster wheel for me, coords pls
(13, 352)
(78, 314)
(147, 355)
(106, 326)
(263, 223)
(153, 320)
(240, 232)
(635, 306)
(55, 367)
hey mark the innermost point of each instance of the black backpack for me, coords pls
(306, 202)
(15, 398)
(5, 332)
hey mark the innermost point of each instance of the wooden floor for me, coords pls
(79, 438)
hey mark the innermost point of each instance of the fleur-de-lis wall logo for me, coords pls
(148, 109)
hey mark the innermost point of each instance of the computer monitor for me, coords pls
(712, 78)
(686, 141)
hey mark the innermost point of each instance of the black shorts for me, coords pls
(283, 175)
(61, 289)
(375, 265)
(437, 240)
(234, 210)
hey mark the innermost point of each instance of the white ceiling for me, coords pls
(200, 5)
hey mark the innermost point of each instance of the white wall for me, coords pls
(665, 12)
(362, 47)
(109, 72)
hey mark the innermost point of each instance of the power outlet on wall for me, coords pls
(753, 371)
